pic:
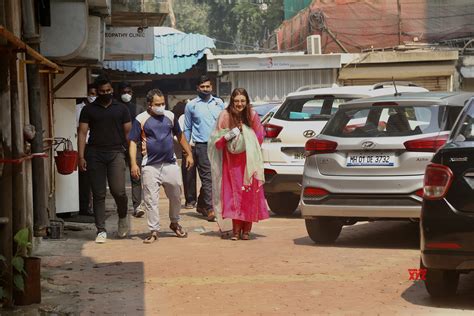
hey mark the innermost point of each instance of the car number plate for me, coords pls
(372, 159)
(299, 156)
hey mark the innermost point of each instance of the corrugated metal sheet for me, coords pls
(275, 85)
(174, 53)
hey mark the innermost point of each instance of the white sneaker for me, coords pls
(123, 227)
(139, 211)
(101, 238)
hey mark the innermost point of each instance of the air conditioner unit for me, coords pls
(94, 50)
(313, 45)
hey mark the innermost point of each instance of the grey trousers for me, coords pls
(153, 177)
(136, 183)
(204, 168)
(103, 167)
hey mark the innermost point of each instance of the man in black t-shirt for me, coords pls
(108, 123)
(188, 174)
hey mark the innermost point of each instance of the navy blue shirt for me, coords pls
(156, 136)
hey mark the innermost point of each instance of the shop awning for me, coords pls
(174, 53)
(398, 71)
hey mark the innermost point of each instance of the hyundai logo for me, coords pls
(309, 133)
(368, 145)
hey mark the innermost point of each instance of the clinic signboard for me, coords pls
(268, 62)
(129, 43)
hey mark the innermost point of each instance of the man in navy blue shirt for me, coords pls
(200, 116)
(155, 129)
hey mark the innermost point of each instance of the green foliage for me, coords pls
(22, 239)
(235, 24)
(191, 17)
(19, 282)
(19, 264)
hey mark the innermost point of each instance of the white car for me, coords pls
(302, 116)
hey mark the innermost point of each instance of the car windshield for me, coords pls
(464, 131)
(263, 109)
(309, 109)
(386, 121)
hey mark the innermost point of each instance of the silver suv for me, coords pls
(302, 116)
(369, 160)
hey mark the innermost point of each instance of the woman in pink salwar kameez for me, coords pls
(237, 167)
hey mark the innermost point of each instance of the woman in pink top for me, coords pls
(237, 167)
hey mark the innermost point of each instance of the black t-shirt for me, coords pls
(106, 126)
(132, 109)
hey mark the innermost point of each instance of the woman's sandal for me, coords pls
(151, 238)
(178, 230)
(245, 236)
(235, 236)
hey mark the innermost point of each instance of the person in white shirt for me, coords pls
(85, 196)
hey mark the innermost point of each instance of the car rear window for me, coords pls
(310, 109)
(388, 121)
(464, 130)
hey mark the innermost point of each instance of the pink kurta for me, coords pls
(246, 204)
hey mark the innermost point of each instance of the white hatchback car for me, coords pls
(302, 116)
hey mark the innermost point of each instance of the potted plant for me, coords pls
(26, 271)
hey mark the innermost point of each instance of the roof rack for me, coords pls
(316, 86)
(381, 85)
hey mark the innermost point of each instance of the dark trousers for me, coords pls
(204, 168)
(84, 193)
(189, 181)
(136, 183)
(103, 167)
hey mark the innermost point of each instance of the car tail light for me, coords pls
(437, 180)
(319, 146)
(429, 144)
(443, 245)
(419, 192)
(269, 172)
(272, 131)
(310, 192)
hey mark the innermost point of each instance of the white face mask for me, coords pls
(158, 110)
(126, 97)
(91, 98)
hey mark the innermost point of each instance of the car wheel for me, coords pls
(323, 229)
(283, 204)
(441, 283)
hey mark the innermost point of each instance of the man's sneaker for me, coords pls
(101, 238)
(123, 227)
(139, 212)
(190, 205)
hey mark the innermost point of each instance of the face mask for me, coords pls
(104, 98)
(204, 95)
(126, 97)
(91, 98)
(158, 110)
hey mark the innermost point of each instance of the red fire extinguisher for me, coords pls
(66, 159)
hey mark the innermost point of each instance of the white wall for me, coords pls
(67, 186)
